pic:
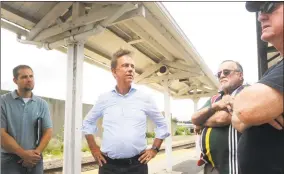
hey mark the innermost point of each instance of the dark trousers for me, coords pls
(123, 166)
(10, 165)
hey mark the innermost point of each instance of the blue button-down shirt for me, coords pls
(124, 122)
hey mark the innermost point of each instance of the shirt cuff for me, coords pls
(89, 130)
(161, 133)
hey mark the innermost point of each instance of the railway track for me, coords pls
(90, 164)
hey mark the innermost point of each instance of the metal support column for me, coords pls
(168, 140)
(195, 101)
(73, 109)
(197, 137)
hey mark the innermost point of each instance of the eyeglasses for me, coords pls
(226, 72)
(268, 7)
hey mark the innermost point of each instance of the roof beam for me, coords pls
(175, 76)
(81, 30)
(21, 19)
(128, 6)
(130, 46)
(65, 34)
(194, 96)
(164, 32)
(150, 40)
(108, 14)
(13, 28)
(182, 67)
(135, 41)
(59, 20)
(150, 70)
(139, 12)
(78, 9)
(157, 25)
(205, 89)
(204, 79)
(185, 90)
(49, 18)
(94, 7)
(80, 21)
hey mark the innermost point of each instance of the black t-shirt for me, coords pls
(261, 148)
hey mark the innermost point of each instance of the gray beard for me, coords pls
(231, 89)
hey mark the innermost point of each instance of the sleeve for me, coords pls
(161, 131)
(3, 114)
(274, 78)
(90, 122)
(208, 103)
(47, 123)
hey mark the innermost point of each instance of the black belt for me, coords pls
(123, 161)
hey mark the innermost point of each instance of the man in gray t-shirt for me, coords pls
(24, 117)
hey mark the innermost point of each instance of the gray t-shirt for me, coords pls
(19, 118)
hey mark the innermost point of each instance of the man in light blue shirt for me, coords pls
(124, 111)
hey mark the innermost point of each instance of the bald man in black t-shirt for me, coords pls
(258, 109)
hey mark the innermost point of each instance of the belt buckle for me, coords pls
(130, 161)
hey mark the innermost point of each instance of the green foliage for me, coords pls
(178, 132)
(85, 147)
(181, 128)
(182, 131)
(150, 134)
(175, 120)
(54, 147)
(187, 132)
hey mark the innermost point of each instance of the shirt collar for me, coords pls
(236, 91)
(132, 88)
(15, 95)
(221, 92)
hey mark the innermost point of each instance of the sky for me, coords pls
(218, 30)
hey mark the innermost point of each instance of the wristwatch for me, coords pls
(155, 148)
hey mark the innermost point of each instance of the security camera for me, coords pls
(163, 70)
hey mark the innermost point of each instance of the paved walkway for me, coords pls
(184, 162)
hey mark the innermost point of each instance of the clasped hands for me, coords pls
(30, 158)
(225, 103)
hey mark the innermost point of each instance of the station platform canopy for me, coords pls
(161, 49)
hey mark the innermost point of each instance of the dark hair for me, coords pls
(239, 66)
(17, 68)
(119, 53)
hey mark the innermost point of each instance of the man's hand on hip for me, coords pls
(98, 155)
(147, 155)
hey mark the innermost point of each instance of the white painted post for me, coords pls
(197, 138)
(168, 141)
(73, 109)
(195, 101)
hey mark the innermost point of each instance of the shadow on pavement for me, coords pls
(188, 167)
